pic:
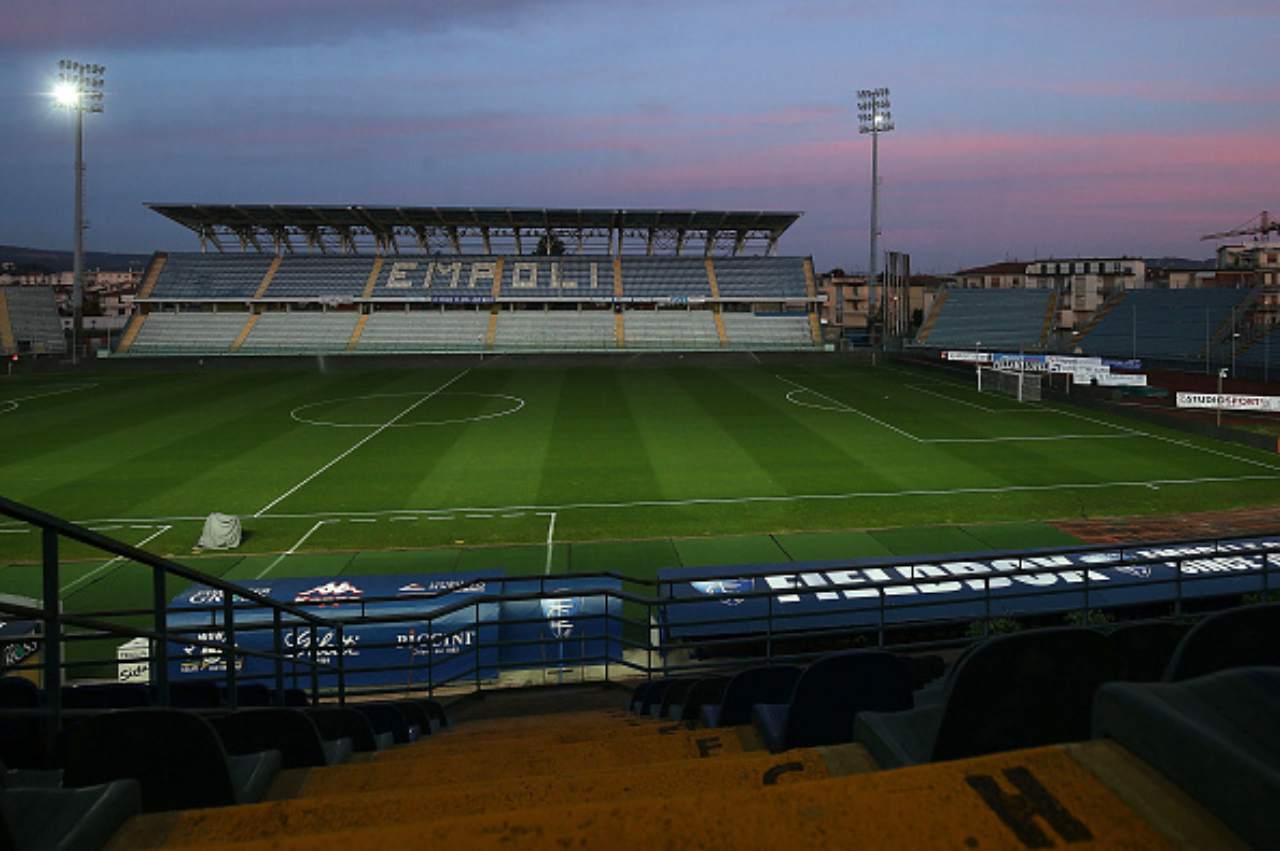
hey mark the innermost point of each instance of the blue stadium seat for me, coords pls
(1013, 691)
(653, 696)
(65, 819)
(195, 694)
(1232, 639)
(18, 693)
(1145, 648)
(707, 690)
(744, 690)
(176, 756)
(416, 714)
(638, 695)
(343, 722)
(390, 725)
(828, 695)
(289, 731)
(674, 696)
(296, 697)
(1215, 736)
(106, 696)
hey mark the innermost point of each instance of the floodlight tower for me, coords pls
(875, 118)
(79, 88)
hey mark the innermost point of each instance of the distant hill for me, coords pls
(41, 259)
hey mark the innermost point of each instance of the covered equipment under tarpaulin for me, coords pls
(221, 532)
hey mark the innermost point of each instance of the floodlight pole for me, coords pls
(79, 89)
(77, 284)
(874, 118)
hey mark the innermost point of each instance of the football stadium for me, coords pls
(466, 527)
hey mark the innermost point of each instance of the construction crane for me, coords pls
(1258, 227)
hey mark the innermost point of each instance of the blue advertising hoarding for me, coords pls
(820, 595)
(575, 627)
(445, 648)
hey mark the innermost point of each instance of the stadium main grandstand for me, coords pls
(327, 280)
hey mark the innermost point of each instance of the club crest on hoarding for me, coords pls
(725, 588)
(559, 612)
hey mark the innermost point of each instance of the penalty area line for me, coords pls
(294, 548)
(108, 564)
(361, 442)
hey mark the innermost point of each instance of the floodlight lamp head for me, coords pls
(66, 93)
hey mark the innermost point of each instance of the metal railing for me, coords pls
(788, 614)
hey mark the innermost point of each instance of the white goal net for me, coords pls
(1023, 386)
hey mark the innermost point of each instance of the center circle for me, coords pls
(309, 414)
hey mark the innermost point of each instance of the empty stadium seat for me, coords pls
(1145, 648)
(706, 690)
(33, 316)
(106, 696)
(424, 331)
(1216, 736)
(654, 694)
(1166, 324)
(744, 690)
(191, 276)
(763, 278)
(827, 696)
(176, 756)
(674, 696)
(760, 332)
(998, 319)
(1012, 691)
(1235, 638)
(18, 693)
(290, 731)
(388, 719)
(85, 819)
(343, 722)
(189, 333)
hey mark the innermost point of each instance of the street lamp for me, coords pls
(79, 88)
(875, 118)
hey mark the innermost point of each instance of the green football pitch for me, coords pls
(543, 466)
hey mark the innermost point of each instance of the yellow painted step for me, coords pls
(606, 736)
(496, 763)
(267, 278)
(497, 277)
(7, 343)
(617, 277)
(130, 333)
(372, 280)
(356, 332)
(244, 332)
(550, 720)
(619, 331)
(1041, 798)
(312, 816)
(711, 277)
(153, 274)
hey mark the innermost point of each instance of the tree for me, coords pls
(557, 245)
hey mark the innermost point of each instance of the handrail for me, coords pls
(447, 642)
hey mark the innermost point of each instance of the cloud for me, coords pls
(176, 24)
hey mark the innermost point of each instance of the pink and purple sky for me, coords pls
(1025, 127)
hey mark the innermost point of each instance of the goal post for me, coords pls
(1023, 386)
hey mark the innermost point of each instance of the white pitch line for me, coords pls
(551, 533)
(479, 516)
(432, 513)
(403, 519)
(850, 409)
(105, 565)
(292, 549)
(362, 520)
(361, 442)
(21, 531)
(1017, 438)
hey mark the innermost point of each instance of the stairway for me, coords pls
(604, 778)
(1111, 303)
(932, 319)
(7, 342)
(153, 274)
(131, 333)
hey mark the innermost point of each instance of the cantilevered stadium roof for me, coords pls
(351, 229)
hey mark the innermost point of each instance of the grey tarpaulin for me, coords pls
(221, 532)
